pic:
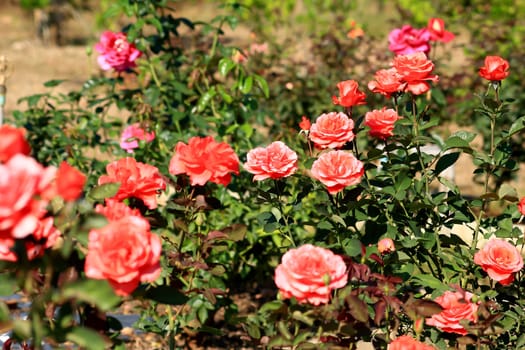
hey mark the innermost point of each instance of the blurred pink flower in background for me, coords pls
(406, 40)
(116, 52)
(129, 140)
(436, 27)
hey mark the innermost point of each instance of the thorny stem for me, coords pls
(288, 233)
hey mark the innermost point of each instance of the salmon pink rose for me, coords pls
(521, 206)
(387, 82)
(386, 245)
(436, 27)
(69, 181)
(203, 159)
(407, 40)
(500, 260)
(381, 122)
(125, 253)
(305, 124)
(337, 170)
(129, 140)
(12, 141)
(408, 343)
(116, 52)
(138, 180)
(349, 94)
(310, 273)
(275, 161)
(457, 306)
(415, 70)
(495, 68)
(332, 130)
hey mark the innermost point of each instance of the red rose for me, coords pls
(275, 161)
(500, 260)
(337, 170)
(70, 182)
(139, 180)
(381, 122)
(332, 130)
(203, 159)
(12, 141)
(387, 82)
(309, 274)
(116, 52)
(386, 245)
(349, 94)
(305, 123)
(521, 206)
(408, 343)
(495, 68)
(436, 27)
(456, 307)
(407, 40)
(414, 70)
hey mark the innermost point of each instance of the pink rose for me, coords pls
(500, 260)
(456, 307)
(521, 206)
(387, 82)
(309, 274)
(125, 253)
(415, 70)
(116, 52)
(275, 161)
(406, 40)
(386, 245)
(332, 130)
(129, 140)
(381, 122)
(337, 170)
(408, 343)
(349, 94)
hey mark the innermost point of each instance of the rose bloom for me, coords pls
(20, 208)
(500, 260)
(407, 40)
(521, 206)
(387, 82)
(415, 69)
(436, 27)
(129, 140)
(70, 182)
(456, 307)
(138, 180)
(381, 122)
(386, 245)
(116, 52)
(408, 343)
(12, 141)
(337, 170)
(125, 253)
(495, 68)
(309, 274)
(203, 159)
(275, 161)
(305, 123)
(349, 94)
(332, 130)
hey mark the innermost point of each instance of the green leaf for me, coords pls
(456, 142)
(246, 85)
(352, 247)
(104, 191)
(87, 338)
(95, 292)
(446, 161)
(166, 295)
(53, 83)
(263, 85)
(429, 281)
(225, 65)
(517, 126)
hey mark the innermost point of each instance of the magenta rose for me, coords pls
(116, 52)
(406, 40)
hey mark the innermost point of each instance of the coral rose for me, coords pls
(69, 181)
(495, 68)
(381, 122)
(309, 274)
(129, 140)
(125, 253)
(203, 159)
(457, 306)
(305, 124)
(414, 70)
(500, 260)
(349, 94)
(138, 180)
(436, 27)
(386, 245)
(408, 343)
(337, 170)
(275, 161)
(12, 141)
(332, 130)
(387, 82)
(116, 52)
(521, 206)
(407, 40)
